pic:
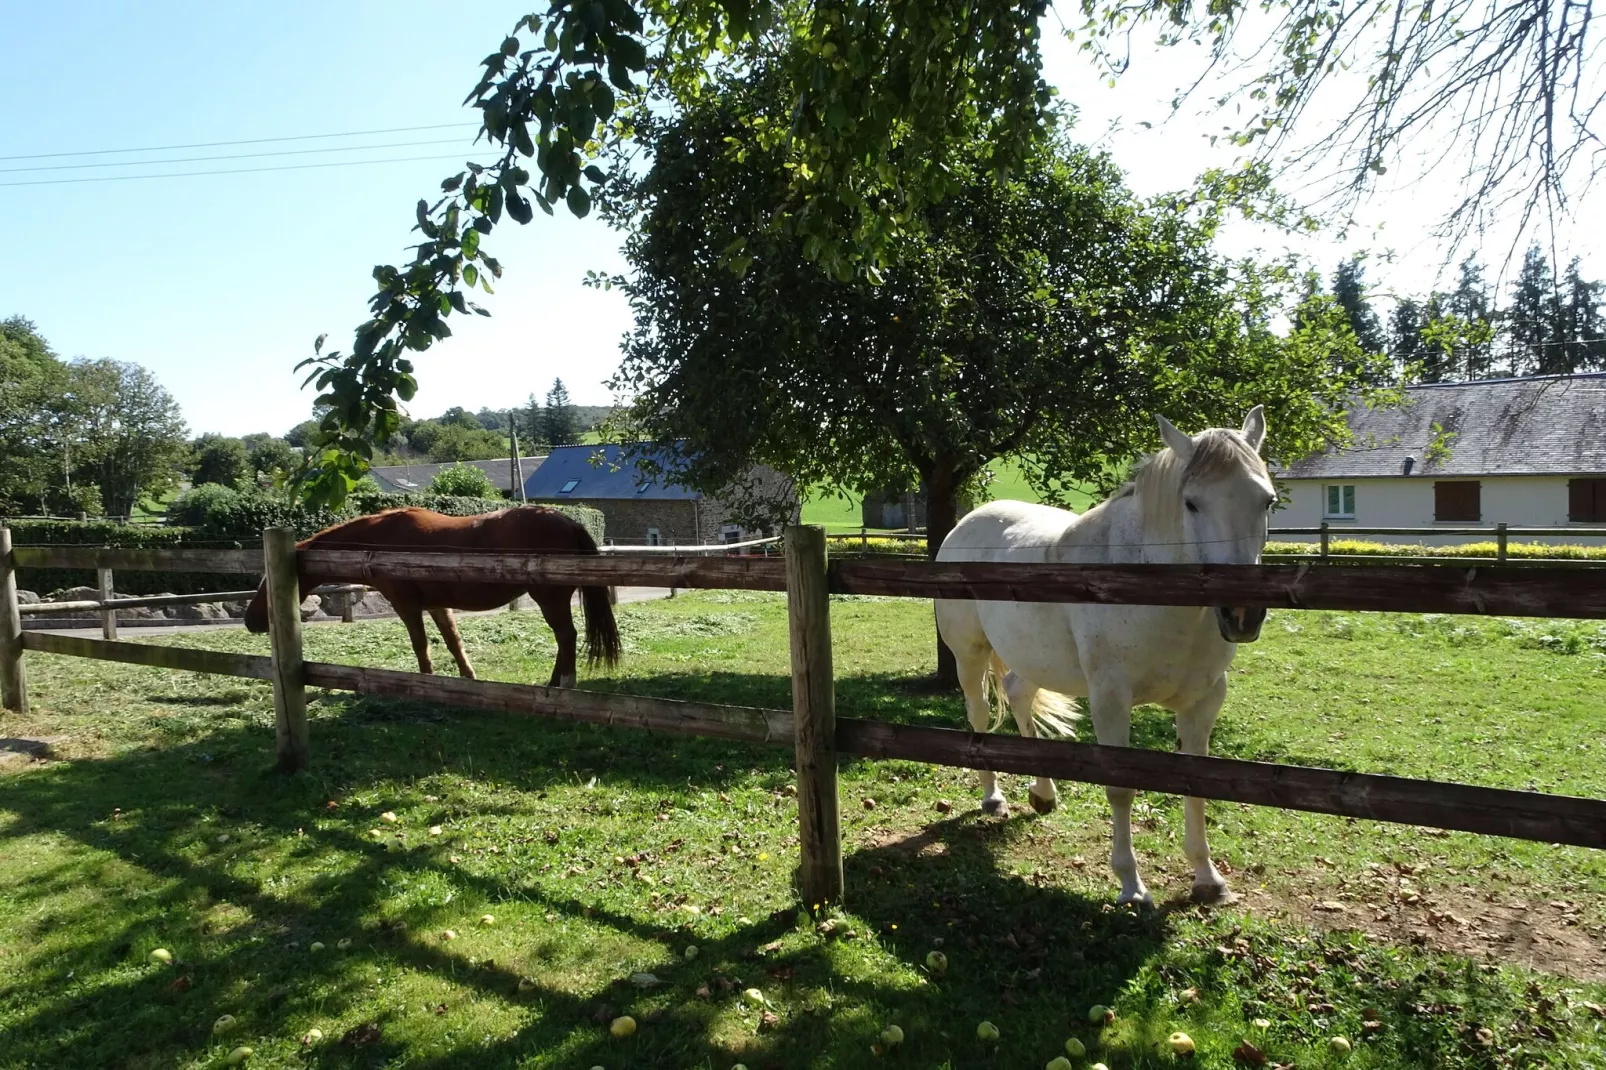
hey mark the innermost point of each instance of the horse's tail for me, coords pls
(1054, 714)
(602, 631)
(997, 700)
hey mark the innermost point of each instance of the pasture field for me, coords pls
(836, 514)
(604, 856)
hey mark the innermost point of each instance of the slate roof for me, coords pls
(1547, 425)
(611, 478)
(415, 478)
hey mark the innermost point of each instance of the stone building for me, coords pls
(641, 510)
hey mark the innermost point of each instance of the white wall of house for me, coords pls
(1407, 502)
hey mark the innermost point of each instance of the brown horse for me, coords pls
(525, 529)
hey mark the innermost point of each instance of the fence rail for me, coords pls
(817, 735)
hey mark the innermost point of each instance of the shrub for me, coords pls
(129, 536)
(463, 481)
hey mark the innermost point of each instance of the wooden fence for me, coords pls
(812, 727)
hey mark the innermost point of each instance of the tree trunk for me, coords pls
(942, 513)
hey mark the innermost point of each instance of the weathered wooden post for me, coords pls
(814, 715)
(284, 636)
(1324, 540)
(108, 617)
(13, 687)
(1500, 543)
(348, 605)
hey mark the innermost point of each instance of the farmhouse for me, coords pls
(1521, 452)
(640, 509)
(415, 478)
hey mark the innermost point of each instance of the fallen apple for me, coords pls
(1099, 1014)
(754, 996)
(435, 830)
(1075, 1048)
(449, 934)
(1098, 1066)
(224, 1024)
(238, 1056)
(316, 945)
(623, 1026)
(690, 952)
(1339, 1045)
(1181, 1044)
(526, 985)
(937, 962)
(987, 1031)
(311, 1037)
(389, 818)
(892, 1036)
(1059, 1062)
(487, 919)
(343, 943)
(162, 957)
(1261, 1023)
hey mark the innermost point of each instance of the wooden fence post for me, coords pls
(284, 635)
(108, 617)
(1500, 542)
(1324, 540)
(808, 613)
(13, 686)
(348, 606)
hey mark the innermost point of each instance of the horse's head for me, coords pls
(1226, 499)
(256, 614)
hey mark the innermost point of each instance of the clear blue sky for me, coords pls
(220, 283)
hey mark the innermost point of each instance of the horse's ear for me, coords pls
(1254, 431)
(1180, 444)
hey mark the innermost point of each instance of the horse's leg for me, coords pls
(960, 627)
(1111, 710)
(413, 617)
(1194, 723)
(454, 639)
(1021, 695)
(559, 614)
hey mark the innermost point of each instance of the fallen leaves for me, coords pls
(1248, 1054)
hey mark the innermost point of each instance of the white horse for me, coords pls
(1199, 500)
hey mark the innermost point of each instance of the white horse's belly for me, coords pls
(1034, 640)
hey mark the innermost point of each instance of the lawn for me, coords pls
(836, 513)
(540, 879)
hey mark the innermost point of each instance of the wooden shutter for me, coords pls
(1457, 501)
(1586, 500)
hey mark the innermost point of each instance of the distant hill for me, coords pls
(590, 416)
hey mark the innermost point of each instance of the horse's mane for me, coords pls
(1158, 478)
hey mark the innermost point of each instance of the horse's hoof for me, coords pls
(995, 807)
(1138, 899)
(1212, 893)
(1043, 806)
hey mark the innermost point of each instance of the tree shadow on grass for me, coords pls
(149, 819)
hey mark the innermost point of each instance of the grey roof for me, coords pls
(568, 474)
(415, 478)
(1547, 425)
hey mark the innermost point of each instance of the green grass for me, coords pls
(838, 514)
(606, 853)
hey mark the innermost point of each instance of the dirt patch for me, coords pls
(21, 752)
(1542, 936)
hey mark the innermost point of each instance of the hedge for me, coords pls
(228, 520)
(121, 536)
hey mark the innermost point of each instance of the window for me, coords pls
(653, 538)
(1340, 502)
(1586, 500)
(1457, 501)
(730, 533)
(569, 486)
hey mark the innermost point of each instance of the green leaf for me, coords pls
(471, 243)
(519, 208)
(471, 274)
(579, 202)
(595, 174)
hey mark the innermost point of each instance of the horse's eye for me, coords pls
(1192, 508)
